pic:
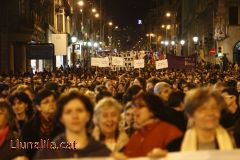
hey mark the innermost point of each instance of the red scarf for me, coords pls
(3, 135)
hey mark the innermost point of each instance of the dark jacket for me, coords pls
(93, 149)
(31, 133)
(7, 151)
(176, 118)
(229, 120)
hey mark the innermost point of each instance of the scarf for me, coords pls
(3, 135)
(46, 127)
(223, 139)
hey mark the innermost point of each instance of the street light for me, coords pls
(172, 43)
(97, 15)
(109, 24)
(195, 40)
(168, 14)
(182, 42)
(94, 10)
(81, 3)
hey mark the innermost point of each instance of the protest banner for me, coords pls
(117, 61)
(162, 64)
(139, 63)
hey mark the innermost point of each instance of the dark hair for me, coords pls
(155, 104)
(142, 82)
(24, 98)
(153, 80)
(131, 91)
(6, 105)
(102, 94)
(175, 99)
(65, 98)
(43, 93)
(232, 91)
(231, 84)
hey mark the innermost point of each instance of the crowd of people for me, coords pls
(101, 113)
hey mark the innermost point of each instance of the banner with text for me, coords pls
(104, 62)
(162, 64)
(95, 61)
(179, 62)
(139, 63)
(117, 61)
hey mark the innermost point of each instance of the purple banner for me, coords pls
(180, 62)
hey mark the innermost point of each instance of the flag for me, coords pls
(201, 54)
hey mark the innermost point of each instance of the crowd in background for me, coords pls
(141, 112)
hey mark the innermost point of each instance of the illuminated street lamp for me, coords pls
(195, 40)
(109, 24)
(81, 3)
(168, 14)
(94, 10)
(97, 15)
(172, 43)
(182, 42)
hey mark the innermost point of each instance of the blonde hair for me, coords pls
(104, 104)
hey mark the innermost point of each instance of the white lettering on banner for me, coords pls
(139, 63)
(104, 62)
(117, 61)
(162, 64)
(95, 61)
(199, 155)
(60, 44)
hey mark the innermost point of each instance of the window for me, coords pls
(233, 15)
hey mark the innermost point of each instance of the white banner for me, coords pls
(139, 63)
(199, 155)
(104, 62)
(60, 44)
(161, 64)
(95, 61)
(117, 61)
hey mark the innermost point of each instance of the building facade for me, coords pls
(215, 23)
(27, 21)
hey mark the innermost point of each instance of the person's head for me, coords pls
(147, 106)
(140, 81)
(151, 82)
(163, 90)
(45, 102)
(231, 97)
(27, 90)
(203, 107)
(4, 90)
(6, 115)
(21, 104)
(107, 116)
(176, 99)
(74, 112)
(109, 85)
(129, 114)
(102, 94)
(131, 92)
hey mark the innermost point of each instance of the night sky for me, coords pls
(125, 13)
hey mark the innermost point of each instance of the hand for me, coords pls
(157, 153)
(119, 156)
